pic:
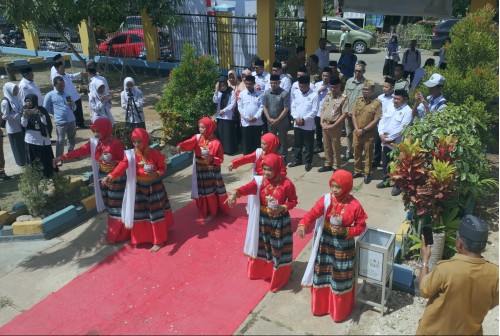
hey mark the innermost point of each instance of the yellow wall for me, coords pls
(31, 39)
(150, 38)
(265, 31)
(225, 39)
(84, 37)
(313, 11)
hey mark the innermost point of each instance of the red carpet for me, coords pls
(197, 284)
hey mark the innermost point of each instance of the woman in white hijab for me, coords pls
(11, 113)
(100, 102)
(132, 102)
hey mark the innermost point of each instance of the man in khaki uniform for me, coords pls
(333, 114)
(365, 117)
(460, 290)
(353, 90)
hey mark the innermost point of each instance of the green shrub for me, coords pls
(33, 187)
(461, 122)
(188, 95)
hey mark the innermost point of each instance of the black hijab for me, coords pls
(226, 95)
(33, 119)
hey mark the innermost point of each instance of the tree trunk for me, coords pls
(437, 249)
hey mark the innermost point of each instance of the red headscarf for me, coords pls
(104, 126)
(142, 134)
(271, 141)
(275, 162)
(210, 126)
(344, 180)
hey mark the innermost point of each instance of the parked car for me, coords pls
(441, 32)
(125, 44)
(361, 39)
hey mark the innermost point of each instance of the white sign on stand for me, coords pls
(370, 264)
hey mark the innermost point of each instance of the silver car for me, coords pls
(360, 39)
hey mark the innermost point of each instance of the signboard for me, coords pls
(375, 20)
(433, 8)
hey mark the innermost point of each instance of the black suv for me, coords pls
(441, 32)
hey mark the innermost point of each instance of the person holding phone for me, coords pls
(461, 290)
(36, 121)
(433, 103)
(59, 104)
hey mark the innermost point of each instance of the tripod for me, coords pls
(133, 111)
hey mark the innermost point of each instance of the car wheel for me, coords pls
(359, 47)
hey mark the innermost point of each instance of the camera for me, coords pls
(129, 92)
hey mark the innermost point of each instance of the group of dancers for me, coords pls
(129, 186)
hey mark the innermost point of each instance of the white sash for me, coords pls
(258, 153)
(129, 195)
(95, 172)
(252, 237)
(307, 279)
(194, 179)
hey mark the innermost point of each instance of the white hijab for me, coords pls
(125, 81)
(8, 92)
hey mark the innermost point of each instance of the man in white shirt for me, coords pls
(387, 99)
(261, 77)
(323, 53)
(322, 89)
(250, 106)
(412, 60)
(304, 109)
(285, 79)
(295, 86)
(28, 86)
(390, 129)
(53, 71)
(434, 102)
(70, 89)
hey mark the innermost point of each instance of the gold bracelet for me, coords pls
(346, 232)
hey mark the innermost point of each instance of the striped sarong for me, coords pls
(112, 195)
(209, 179)
(151, 201)
(334, 266)
(275, 239)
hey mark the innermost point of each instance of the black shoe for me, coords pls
(324, 169)
(383, 184)
(395, 191)
(294, 164)
(367, 179)
(375, 164)
(346, 158)
(356, 175)
(309, 166)
(4, 176)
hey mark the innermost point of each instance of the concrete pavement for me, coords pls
(33, 270)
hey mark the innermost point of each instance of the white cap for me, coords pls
(436, 79)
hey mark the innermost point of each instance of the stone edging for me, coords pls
(69, 217)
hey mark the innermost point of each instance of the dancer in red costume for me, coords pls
(269, 143)
(105, 152)
(269, 239)
(208, 188)
(330, 272)
(146, 208)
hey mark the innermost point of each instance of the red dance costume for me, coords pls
(333, 289)
(275, 247)
(152, 212)
(113, 194)
(272, 143)
(210, 189)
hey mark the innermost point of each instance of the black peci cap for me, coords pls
(335, 80)
(304, 80)
(57, 57)
(277, 65)
(259, 63)
(275, 77)
(401, 92)
(27, 70)
(474, 229)
(390, 80)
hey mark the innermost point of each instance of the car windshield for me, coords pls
(351, 24)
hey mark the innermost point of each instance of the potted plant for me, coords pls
(427, 179)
